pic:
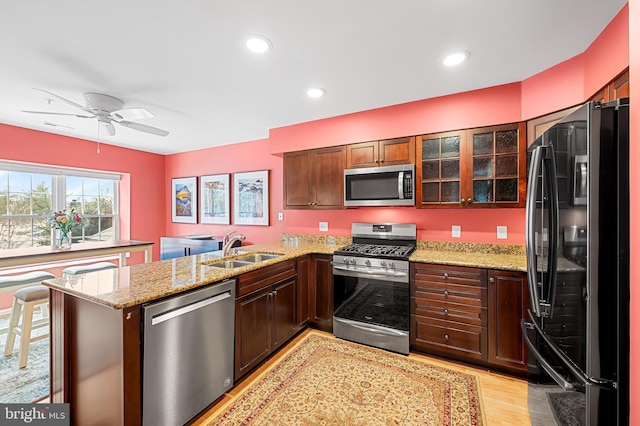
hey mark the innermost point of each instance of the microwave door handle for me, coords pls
(532, 262)
(554, 220)
(400, 185)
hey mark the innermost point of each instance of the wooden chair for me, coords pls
(25, 301)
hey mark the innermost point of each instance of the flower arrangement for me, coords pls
(65, 222)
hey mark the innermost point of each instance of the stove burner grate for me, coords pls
(378, 250)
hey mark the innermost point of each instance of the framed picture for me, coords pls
(184, 200)
(251, 198)
(214, 199)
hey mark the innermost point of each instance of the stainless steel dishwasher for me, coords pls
(187, 353)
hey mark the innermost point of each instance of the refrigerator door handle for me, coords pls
(559, 379)
(532, 262)
(554, 220)
(571, 366)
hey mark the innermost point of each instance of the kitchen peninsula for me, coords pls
(96, 322)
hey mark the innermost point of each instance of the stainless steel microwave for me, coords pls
(380, 186)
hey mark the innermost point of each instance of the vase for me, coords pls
(64, 241)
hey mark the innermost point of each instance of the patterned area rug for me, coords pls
(29, 384)
(327, 381)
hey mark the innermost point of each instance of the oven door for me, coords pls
(371, 311)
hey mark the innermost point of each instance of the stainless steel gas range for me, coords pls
(371, 286)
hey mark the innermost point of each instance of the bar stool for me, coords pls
(83, 269)
(25, 301)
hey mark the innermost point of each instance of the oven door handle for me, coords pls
(373, 274)
(377, 330)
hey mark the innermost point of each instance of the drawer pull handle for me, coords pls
(446, 337)
(446, 275)
(491, 280)
(446, 292)
(446, 312)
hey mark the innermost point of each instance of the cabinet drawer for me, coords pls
(474, 315)
(260, 278)
(448, 336)
(459, 294)
(456, 275)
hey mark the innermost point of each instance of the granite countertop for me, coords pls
(133, 285)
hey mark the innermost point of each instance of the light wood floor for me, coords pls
(504, 398)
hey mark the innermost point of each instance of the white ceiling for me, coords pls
(184, 60)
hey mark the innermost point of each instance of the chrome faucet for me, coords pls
(225, 240)
(226, 249)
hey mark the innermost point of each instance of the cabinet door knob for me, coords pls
(462, 200)
(446, 312)
(491, 280)
(446, 275)
(446, 337)
(469, 200)
(446, 292)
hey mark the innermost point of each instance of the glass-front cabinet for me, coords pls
(484, 167)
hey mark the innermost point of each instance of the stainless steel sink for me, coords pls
(257, 257)
(233, 263)
(244, 260)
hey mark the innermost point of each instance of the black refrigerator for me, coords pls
(577, 238)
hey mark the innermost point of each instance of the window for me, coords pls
(28, 193)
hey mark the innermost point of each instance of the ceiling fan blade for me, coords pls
(131, 114)
(143, 128)
(58, 113)
(82, 107)
(111, 129)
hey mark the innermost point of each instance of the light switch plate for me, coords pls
(324, 226)
(455, 231)
(501, 232)
(280, 216)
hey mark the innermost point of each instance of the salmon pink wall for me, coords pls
(494, 105)
(244, 157)
(142, 182)
(634, 177)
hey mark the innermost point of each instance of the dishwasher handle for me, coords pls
(165, 316)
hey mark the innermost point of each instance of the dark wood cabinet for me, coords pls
(615, 89)
(304, 293)
(266, 313)
(449, 310)
(387, 152)
(483, 167)
(508, 302)
(322, 293)
(313, 179)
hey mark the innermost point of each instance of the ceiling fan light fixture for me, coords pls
(455, 58)
(257, 43)
(316, 92)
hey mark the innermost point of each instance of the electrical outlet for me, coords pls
(455, 231)
(280, 216)
(501, 232)
(324, 226)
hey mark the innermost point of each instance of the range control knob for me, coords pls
(383, 264)
(353, 262)
(346, 260)
(392, 265)
(367, 262)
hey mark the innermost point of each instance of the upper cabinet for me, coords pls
(313, 179)
(483, 167)
(615, 89)
(389, 152)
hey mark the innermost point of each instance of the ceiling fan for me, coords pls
(107, 110)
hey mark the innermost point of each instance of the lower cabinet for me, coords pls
(469, 314)
(448, 310)
(321, 296)
(508, 303)
(266, 313)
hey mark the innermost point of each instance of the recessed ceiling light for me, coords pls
(316, 92)
(258, 44)
(455, 58)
